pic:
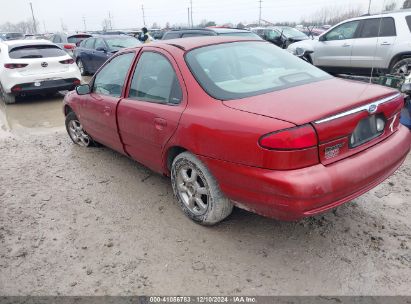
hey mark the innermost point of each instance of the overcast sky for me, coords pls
(128, 13)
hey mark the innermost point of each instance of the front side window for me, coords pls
(344, 31)
(118, 43)
(272, 34)
(243, 69)
(155, 80)
(110, 80)
(100, 44)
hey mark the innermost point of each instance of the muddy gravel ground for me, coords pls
(77, 221)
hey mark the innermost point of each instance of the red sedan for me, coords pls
(237, 122)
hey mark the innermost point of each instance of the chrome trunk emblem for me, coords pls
(44, 64)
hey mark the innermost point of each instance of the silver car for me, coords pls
(378, 42)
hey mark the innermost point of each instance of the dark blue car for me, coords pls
(94, 51)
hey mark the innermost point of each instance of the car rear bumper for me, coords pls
(294, 194)
(45, 86)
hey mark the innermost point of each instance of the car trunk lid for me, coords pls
(339, 110)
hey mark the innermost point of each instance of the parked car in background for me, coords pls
(184, 33)
(94, 51)
(70, 41)
(36, 37)
(34, 67)
(227, 119)
(281, 36)
(379, 43)
(113, 33)
(157, 34)
(11, 36)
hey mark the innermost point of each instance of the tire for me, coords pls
(76, 132)
(401, 67)
(8, 98)
(81, 67)
(199, 195)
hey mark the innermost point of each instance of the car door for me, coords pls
(375, 39)
(149, 115)
(98, 109)
(86, 54)
(334, 48)
(100, 53)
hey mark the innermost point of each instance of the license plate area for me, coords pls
(367, 129)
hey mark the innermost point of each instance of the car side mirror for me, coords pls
(83, 89)
(101, 49)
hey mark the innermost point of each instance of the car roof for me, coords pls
(111, 36)
(188, 44)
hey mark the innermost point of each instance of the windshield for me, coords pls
(242, 34)
(36, 51)
(292, 32)
(122, 42)
(243, 69)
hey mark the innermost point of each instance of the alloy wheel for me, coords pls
(78, 134)
(192, 189)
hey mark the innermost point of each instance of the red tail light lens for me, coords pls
(69, 46)
(15, 65)
(290, 139)
(76, 81)
(67, 61)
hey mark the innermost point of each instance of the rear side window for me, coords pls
(408, 18)
(371, 28)
(154, 80)
(171, 36)
(89, 43)
(36, 51)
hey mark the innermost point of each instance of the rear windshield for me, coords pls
(243, 69)
(122, 42)
(77, 38)
(36, 51)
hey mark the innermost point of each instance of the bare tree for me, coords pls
(390, 6)
(25, 27)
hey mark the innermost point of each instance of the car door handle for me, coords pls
(385, 43)
(107, 110)
(160, 123)
(346, 45)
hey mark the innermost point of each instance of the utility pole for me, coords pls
(369, 7)
(191, 13)
(44, 25)
(144, 16)
(84, 22)
(188, 17)
(34, 20)
(109, 18)
(259, 18)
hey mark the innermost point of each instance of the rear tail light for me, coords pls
(16, 89)
(76, 81)
(15, 65)
(290, 139)
(67, 61)
(69, 46)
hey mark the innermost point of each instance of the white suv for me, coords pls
(35, 66)
(357, 45)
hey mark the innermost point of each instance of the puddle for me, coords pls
(33, 114)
